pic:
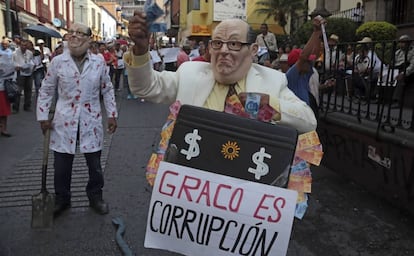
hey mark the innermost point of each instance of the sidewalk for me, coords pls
(342, 219)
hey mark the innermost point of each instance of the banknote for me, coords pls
(153, 12)
(311, 155)
(235, 109)
(303, 173)
(158, 27)
(299, 166)
(301, 208)
(266, 113)
(300, 183)
(307, 140)
(252, 104)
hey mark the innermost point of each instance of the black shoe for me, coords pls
(99, 206)
(60, 208)
(28, 109)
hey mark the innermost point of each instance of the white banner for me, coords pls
(194, 212)
(226, 9)
(169, 54)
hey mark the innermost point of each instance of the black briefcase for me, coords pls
(232, 145)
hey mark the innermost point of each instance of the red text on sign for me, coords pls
(272, 214)
(193, 189)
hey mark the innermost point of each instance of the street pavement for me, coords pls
(342, 218)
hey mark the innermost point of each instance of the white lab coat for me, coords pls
(78, 106)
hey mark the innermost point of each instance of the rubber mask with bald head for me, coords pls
(230, 66)
(79, 38)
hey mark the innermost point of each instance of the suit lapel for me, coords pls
(253, 80)
(202, 85)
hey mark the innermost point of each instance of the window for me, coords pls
(402, 12)
(99, 21)
(93, 19)
(193, 5)
(139, 2)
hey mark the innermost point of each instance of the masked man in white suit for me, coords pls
(232, 49)
(79, 78)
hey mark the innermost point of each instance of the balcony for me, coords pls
(354, 14)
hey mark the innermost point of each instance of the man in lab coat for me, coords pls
(79, 78)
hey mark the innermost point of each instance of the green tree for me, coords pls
(279, 10)
(377, 30)
(342, 27)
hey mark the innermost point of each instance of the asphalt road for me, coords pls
(342, 219)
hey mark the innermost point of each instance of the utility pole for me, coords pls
(8, 20)
(81, 13)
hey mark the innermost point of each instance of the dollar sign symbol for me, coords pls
(261, 168)
(193, 149)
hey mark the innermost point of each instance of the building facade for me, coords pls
(56, 14)
(397, 12)
(197, 19)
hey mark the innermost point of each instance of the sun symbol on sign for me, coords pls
(230, 150)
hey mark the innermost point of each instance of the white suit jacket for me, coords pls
(193, 81)
(78, 107)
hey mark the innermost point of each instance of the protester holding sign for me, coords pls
(232, 49)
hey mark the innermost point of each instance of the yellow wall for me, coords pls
(3, 28)
(200, 22)
(256, 20)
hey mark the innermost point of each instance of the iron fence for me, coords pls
(373, 82)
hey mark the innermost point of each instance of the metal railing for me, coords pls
(367, 89)
(354, 14)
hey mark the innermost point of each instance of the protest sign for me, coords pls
(170, 54)
(194, 212)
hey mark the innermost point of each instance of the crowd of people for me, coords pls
(69, 82)
(30, 61)
(25, 63)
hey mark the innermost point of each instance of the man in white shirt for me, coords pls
(334, 59)
(46, 52)
(23, 62)
(267, 44)
(404, 62)
(368, 67)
